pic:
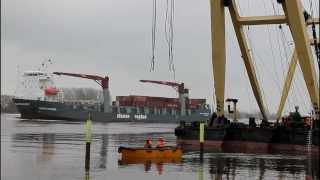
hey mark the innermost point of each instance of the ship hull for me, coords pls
(36, 109)
(290, 139)
(188, 137)
(249, 139)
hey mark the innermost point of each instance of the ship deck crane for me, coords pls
(102, 81)
(179, 87)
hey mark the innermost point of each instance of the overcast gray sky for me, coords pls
(113, 37)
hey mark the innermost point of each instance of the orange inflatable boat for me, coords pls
(167, 152)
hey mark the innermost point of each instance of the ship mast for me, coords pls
(294, 18)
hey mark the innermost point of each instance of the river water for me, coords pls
(53, 150)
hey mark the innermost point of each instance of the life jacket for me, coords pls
(285, 120)
(148, 144)
(307, 121)
(160, 143)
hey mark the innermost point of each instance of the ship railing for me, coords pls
(81, 101)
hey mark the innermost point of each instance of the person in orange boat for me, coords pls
(161, 143)
(148, 143)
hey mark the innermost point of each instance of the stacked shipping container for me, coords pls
(156, 102)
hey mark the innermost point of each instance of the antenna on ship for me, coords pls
(44, 65)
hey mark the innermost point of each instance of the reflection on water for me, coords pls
(51, 150)
(48, 141)
(260, 166)
(158, 166)
(103, 151)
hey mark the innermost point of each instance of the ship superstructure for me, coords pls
(38, 85)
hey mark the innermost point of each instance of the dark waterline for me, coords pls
(56, 150)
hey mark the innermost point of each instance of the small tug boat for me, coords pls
(139, 153)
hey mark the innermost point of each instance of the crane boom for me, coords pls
(179, 86)
(183, 93)
(102, 81)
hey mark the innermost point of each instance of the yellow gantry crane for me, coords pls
(294, 18)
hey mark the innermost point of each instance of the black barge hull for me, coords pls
(249, 139)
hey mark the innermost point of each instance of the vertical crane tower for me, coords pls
(293, 17)
(102, 81)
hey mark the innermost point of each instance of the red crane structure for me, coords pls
(179, 87)
(102, 81)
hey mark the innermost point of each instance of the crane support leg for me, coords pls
(244, 47)
(287, 83)
(218, 51)
(294, 13)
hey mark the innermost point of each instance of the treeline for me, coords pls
(7, 104)
(82, 94)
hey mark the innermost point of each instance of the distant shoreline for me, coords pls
(7, 105)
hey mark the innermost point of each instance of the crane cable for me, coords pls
(314, 35)
(283, 52)
(169, 33)
(316, 44)
(153, 34)
(255, 55)
(284, 41)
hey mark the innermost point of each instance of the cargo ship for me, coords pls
(41, 99)
(291, 133)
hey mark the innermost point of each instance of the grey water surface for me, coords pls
(54, 150)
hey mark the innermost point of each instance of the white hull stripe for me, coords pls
(47, 109)
(22, 104)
